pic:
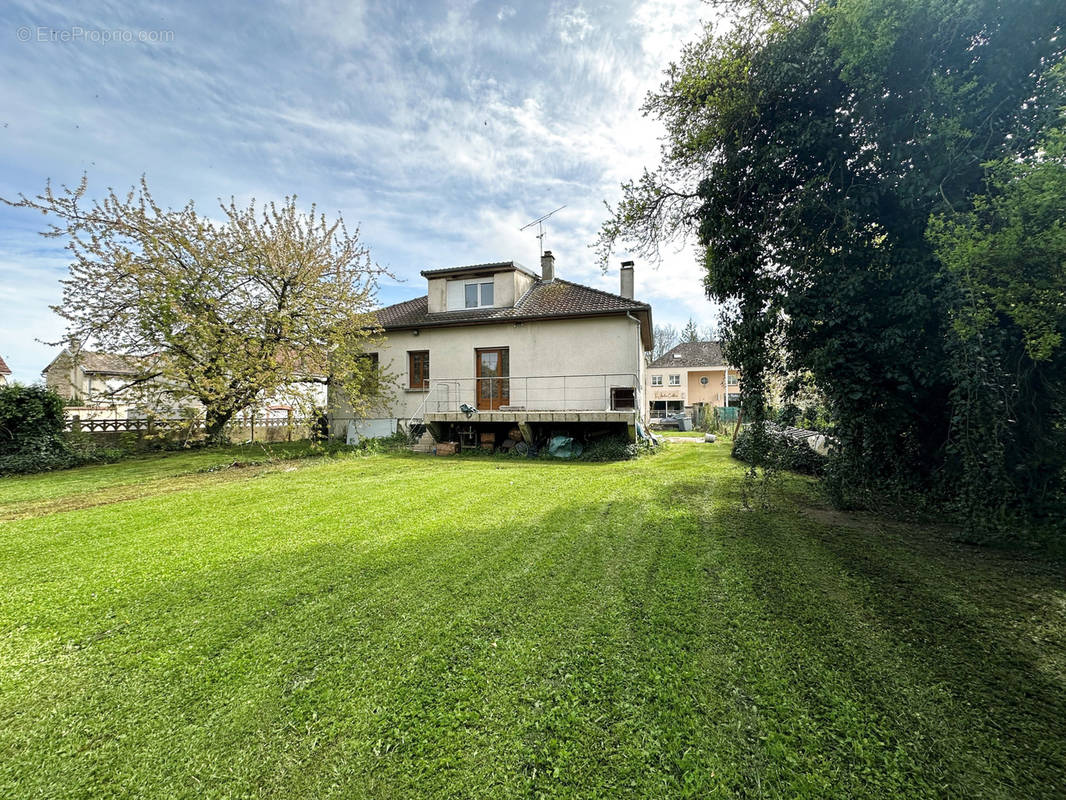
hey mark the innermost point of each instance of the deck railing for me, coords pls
(587, 392)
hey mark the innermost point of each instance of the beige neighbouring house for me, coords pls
(691, 374)
(4, 372)
(492, 348)
(97, 385)
(95, 380)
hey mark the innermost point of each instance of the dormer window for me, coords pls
(471, 293)
(478, 295)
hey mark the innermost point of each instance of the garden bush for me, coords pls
(785, 452)
(31, 430)
(32, 437)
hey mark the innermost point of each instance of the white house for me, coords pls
(693, 373)
(4, 372)
(494, 347)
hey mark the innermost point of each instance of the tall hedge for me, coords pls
(31, 430)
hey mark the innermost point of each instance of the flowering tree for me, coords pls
(220, 312)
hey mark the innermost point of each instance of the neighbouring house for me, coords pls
(693, 373)
(97, 386)
(4, 372)
(92, 383)
(492, 348)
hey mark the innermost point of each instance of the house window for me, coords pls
(478, 295)
(656, 380)
(675, 380)
(470, 293)
(732, 379)
(418, 368)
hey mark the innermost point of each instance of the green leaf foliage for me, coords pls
(865, 169)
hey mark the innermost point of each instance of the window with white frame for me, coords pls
(473, 293)
(656, 380)
(675, 380)
(732, 379)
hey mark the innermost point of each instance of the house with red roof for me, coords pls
(4, 372)
(494, 348)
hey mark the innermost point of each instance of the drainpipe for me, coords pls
(638, 389)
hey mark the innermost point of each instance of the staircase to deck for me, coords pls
(425, 443)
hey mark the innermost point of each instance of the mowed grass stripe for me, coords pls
(400, 626)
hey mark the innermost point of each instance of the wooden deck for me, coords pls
(528, 422)
(628, 417)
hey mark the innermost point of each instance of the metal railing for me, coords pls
(587, 392)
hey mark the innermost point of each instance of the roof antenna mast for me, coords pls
(539, 222)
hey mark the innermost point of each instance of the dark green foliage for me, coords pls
(782, 452)
(822, 151)
(28, 413)
(611, 448)
(31, 430)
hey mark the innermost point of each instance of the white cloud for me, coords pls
(437, 128)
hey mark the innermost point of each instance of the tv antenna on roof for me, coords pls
(539, 222)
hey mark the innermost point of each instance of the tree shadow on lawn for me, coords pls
(949, 661)
(652, 642)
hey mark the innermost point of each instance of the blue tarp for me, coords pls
(565, 447)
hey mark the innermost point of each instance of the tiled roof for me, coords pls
(692, 354)
(543, 300)
(496, 266)
(89, 361)
(106, 362)
(4, 369)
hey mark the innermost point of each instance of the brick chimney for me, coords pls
(626, 274)
(547, 266)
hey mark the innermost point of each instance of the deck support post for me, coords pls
(527, 432)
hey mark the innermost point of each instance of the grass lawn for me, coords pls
(49, 491)
(402, 626)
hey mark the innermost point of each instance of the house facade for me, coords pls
(92, 382)
(98, 387)
(5, 371)
(693, 373)
(496, 347)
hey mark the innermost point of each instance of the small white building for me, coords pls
(495, 347)
(4, 372)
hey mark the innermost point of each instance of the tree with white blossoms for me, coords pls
(224, 312)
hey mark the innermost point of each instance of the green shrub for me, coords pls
(31, 430)
(31, 417)
(611, 448)
(785, 451)
(32, 437)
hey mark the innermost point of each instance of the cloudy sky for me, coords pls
(439, 128)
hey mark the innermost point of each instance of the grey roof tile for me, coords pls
(544, 300)
(691, 354)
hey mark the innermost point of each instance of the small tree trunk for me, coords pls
(215, 425)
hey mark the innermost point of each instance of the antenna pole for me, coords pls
(539, 222)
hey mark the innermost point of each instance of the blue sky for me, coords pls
(439, 129)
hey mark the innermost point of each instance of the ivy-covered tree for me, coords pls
(807, 150)
(220, 311)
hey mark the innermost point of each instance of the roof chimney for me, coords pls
(627, 280)
(547, 266)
